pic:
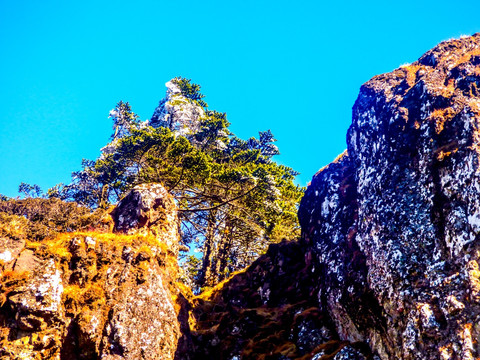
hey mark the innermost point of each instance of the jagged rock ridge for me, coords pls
(393, 224)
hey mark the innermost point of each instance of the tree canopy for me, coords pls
(233, 198)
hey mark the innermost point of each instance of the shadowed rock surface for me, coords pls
(148, 209)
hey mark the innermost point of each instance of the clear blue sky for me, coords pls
(294, 68)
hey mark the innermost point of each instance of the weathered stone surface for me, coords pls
(36, 305)
(142, 323)
(94, 295)
(27, 261)
(148, 208)
(401, 252)
(10, 248)
(349, 353)
(269, 311)
(177, 112)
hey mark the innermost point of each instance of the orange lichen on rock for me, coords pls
(411, 73)
(440, 117)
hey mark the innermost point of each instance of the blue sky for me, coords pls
(293, 68)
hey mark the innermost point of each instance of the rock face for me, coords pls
(396, 223)
(278, 308)
(268, 311)
(94, 295)
(177, 112)
(148, 209)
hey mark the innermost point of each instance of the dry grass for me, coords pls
(465, 57)
(12, 226)
(9, 281)
(77, 298)
(209, 293)
(41, 218)
(410, 72)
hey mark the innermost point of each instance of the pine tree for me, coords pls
(233, 198)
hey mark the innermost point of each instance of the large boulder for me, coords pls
(148, 208)
(396, 222)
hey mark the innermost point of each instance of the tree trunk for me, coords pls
(205, 278)
(224, 253)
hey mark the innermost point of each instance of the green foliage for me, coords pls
(233, 198)
(191, 266)
(124, 119)
(190, 90)
(85, 189)
(30, 190)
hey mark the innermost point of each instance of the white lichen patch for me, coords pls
(90, 242)
(49, 289)
(6, 256)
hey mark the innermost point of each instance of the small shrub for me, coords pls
(38, 218)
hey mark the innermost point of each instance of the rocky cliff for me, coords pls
(395, 223)
(177, 112)
(387, 266)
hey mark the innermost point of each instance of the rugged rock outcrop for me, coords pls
(177, 112)
(94, 295)
(267, 311)
(396, 223)
(148, 209)
(387, 267)
(272, 310)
